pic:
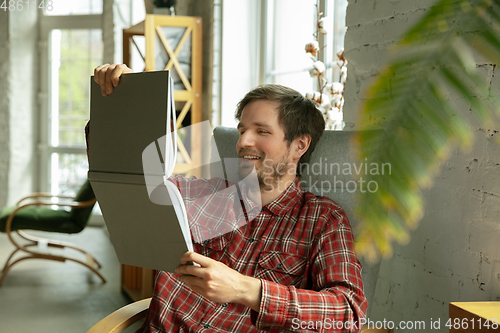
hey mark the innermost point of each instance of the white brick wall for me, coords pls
(18, 84)
(454, 254)
(24, 108)
(4, 107)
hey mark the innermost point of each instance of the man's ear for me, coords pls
(301, 144)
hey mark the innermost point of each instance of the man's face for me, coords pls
(262, 144)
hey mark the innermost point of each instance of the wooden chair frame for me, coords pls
(122, 318)
(90, 262)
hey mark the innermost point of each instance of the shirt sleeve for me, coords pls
(336, 301)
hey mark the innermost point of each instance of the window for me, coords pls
(266, 45)
(291, 24)
(71, 47)
(73, 7)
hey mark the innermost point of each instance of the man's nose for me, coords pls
(246, 140)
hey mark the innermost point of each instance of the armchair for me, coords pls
(333, 147)
(35, 212)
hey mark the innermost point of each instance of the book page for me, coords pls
(180, 210)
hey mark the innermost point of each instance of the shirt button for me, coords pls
(251, 240)
(224, 304)
(206, 242)
(206, 326)
(236, 269)
(280, 266)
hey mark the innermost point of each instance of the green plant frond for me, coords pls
(428, 148)
(404, 57)
(490, 18)
(465, 6)
(424, 146)
(495, 12)
(488, 29)
(487, 44)
(391, 229)
(394, 193)
(427, 26)
(384, 91)
(391, 94)
(419, 122)
(462, 55)
(366, 249)
(457, 126)
(402, 65)
(371, 249)
(478, 105)
(410, 164)
(488, 24)
(444, 17)
(377, 213)
(401, 199)
(436, 119)
(408, 203)
(449, 16)
(395, 99)
(396, 232)
(478, 87)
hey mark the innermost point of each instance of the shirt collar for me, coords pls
(287, 199)
(252, 209)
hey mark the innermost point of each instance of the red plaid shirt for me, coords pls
(300, 246)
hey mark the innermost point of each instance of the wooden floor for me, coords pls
(47, 296)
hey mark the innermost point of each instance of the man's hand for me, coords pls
(108, 76)
(219, 283)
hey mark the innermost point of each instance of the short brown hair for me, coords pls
(297, 115)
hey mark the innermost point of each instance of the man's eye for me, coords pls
(263, 132)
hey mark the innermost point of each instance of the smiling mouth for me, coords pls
(250, 157)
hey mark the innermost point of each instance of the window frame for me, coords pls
(44, 147)
(268, 8)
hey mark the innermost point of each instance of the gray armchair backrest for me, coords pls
(326, 167)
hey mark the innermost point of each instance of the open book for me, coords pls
(159, 158)
(132, 152)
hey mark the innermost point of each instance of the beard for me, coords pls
(269, 173)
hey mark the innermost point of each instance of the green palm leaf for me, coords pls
(412, 102)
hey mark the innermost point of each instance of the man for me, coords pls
(293, 267)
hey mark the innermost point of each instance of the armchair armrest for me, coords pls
(43, 195)
(73, 204)
(122, 318)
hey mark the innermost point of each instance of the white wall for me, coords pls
(240, 49)
(4, 107)
(18, 84)
(454, 254)
(23, 100)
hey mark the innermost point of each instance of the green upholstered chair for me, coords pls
(37, 212)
